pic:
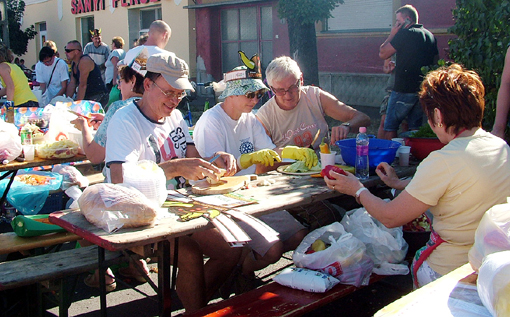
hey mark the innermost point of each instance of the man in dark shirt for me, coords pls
(85, 76)
(415, 47)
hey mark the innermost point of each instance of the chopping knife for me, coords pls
(315, 138)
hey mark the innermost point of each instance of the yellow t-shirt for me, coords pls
(461, 182)
(22, 91)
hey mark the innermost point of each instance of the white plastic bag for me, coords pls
(305, 280)
(383, 244)
(492, 234)
(344, 259)
(10, 142)
(147, 177)
(493, 283)
(60, 124)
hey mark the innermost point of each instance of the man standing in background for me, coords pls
(415, 47)
(97, 50)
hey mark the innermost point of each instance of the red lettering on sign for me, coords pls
(124, 3)
(73, 7)
(87, 5)
(98, 5)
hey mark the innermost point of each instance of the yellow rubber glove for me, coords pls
(301, 154)
(266, 157)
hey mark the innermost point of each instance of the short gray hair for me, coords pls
(160, 26)
(281, 68)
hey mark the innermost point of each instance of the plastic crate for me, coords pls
(54, 202)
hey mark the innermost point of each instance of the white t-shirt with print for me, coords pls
(132, 137)
(216, 131)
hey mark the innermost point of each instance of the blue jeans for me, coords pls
(401, 106)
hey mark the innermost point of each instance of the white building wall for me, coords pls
(63, 26)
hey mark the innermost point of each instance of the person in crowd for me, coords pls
(503, 101)
(151, 128)
(388, 67)
(86, 76)
(14, 82)
(414, 47)
(457, 183)
(53, 45)
(231, 127)
(51, 74)
(117, 54)
(157, 39)
(296, 112)
(142, 39)
(98, 51)
(131, 87)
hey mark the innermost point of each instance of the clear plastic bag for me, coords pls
(492, 234)
(493, 283)
(148, 178)
(10, 142)
(345, 258)
(383, 245)
(305, 280)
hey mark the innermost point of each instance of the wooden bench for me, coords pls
(274, 299)
(10, 242)
(53, 266)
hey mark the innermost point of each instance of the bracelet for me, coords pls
(358, 193)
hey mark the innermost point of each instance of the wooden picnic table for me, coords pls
(287, 192)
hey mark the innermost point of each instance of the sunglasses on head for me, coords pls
(69, 50)
(253, 94)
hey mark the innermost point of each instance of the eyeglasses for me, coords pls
(292, 89)
(254, 94)
(170, 94)
(48, 62)
(69, 50)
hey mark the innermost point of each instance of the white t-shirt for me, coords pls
(216, 131)
(43, 74)
(132, 137)
(119, 53)
(151, 49)
(299, 125)
(461, 182)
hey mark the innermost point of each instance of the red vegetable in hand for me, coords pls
(325, 171)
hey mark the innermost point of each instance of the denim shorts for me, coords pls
(400, 107)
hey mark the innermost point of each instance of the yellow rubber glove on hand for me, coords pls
(301, 154)
(266, 157)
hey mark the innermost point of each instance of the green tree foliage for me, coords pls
(301, 17)
(483, 34)
(17, 37)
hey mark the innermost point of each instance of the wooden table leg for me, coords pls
(164, 289)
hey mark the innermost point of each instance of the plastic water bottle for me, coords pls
(362, 154)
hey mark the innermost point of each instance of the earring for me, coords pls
(440, 125)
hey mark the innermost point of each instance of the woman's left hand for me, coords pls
(343, 184)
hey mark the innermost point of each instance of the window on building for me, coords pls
(147, 16)
(87, 25)
(248, 29)
(361, 15)
(41, 27)
(140, 21)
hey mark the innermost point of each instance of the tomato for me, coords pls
(325, 171)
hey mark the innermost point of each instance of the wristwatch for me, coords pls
(346, 124)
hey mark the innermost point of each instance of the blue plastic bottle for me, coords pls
(362, 154)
